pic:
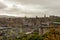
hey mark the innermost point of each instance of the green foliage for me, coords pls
(57, 20)
(35, 36)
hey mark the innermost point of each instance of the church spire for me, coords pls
(44, 15)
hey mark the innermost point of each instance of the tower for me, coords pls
(45, 20)
(44, 15)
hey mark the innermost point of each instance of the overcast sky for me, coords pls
(29, 8)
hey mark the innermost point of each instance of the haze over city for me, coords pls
(29, 8)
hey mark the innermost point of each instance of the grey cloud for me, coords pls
(46, 3)
(52, 6)
(2, 6)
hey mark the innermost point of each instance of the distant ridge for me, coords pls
(6, 16)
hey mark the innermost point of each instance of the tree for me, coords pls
(52, 35)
